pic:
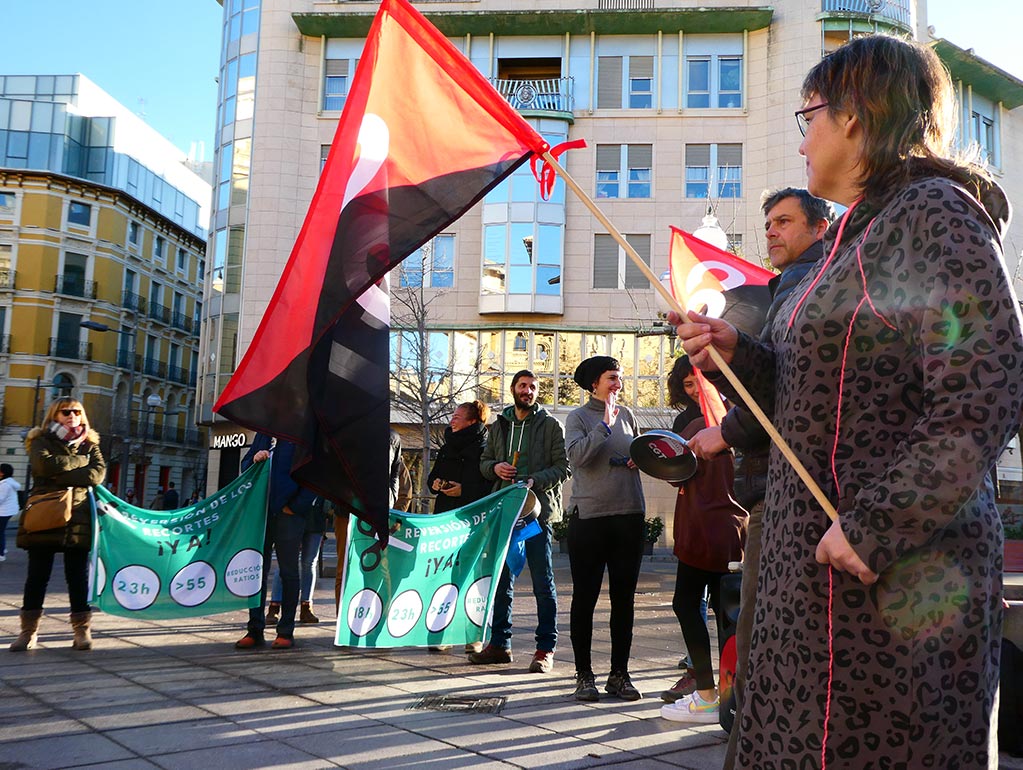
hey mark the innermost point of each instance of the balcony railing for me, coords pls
(7, 279)
(894, 10)
(155, 368)
(177, 374)
(124, 360)
(70, 348)
(5, 343)
(547, 95)
(74, 285)
(159, 313)
(132, 301)
(182, 321)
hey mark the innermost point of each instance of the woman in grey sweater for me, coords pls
(605, 526)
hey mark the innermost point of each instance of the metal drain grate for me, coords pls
(468, 704)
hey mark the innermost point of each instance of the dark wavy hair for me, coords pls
(814, 209)
(902, 95)
(677, 398)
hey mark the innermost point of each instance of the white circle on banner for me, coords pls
(136, 587)
(442, 607)
(403, 613)
(364, 611)
(244, 574)
(101, 577)
(476, 601)
(193, 584)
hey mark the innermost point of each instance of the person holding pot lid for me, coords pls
(605, 526)
(710, 531)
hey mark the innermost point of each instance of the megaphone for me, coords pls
(663, 454)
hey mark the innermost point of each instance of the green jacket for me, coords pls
(57, 465)
(546, 458)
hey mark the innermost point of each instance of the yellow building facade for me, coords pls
(74, 252)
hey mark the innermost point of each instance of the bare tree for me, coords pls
(430, 376)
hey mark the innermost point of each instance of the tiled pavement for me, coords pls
(158, 694)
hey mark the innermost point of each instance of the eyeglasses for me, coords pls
(69, 412)
(801, 120)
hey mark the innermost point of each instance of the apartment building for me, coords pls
(101, 226)
(686, 110)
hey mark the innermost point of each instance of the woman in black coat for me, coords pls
(63, 452)
(456, 477)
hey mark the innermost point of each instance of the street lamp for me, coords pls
(96, 326)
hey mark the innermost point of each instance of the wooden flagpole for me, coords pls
(725, 369)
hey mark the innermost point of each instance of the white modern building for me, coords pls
(684, 108)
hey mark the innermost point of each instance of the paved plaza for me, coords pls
(163, 694)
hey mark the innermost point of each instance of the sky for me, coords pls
(159, 58)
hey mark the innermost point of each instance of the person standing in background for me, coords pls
(9, 488)
(456, 477)
(605, 525)
(170, 498)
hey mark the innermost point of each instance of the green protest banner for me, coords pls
(435, 581)
(199, 560)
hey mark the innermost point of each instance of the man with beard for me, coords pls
(527, 443)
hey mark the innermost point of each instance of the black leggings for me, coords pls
(76, 572)
(690, 584)
(615, 542)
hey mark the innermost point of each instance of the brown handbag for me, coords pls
(47, 510)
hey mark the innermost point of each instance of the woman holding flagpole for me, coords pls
(894, 371)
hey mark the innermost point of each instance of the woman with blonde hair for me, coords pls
(63, 452)
(894, 371)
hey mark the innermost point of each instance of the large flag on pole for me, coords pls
(422, 138)
(719, 284)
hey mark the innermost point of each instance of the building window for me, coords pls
(324, 152)
(431, 266)
(182, 260)
(158, 248)
(713, 170)
(522, 258)
(79, 213)
(612, 267)
(6, 203)
(133, 233)
(641, 82)
(713, 81)
(63, 385)
(632, 162)
(335, 84)
(613, 71)
(984, 135)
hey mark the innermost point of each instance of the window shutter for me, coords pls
(634, 278)
(641, 156)
(609, 157)
(698, 154)
(609, 83)
(336, 68)
(605, 262)
(730, 155)
(641, 66)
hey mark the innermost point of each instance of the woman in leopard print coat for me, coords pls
(894, 372)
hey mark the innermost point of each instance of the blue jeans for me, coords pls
(3, 534)
(541, 569)
(283, 534)
(307, 562)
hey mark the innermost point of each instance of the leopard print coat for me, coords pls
(898, 399)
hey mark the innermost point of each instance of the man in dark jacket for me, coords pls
(287, 509)
(171, 500)
(795, 223)
(526, 443)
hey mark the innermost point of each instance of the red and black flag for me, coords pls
(719, 284)
(422, 138)
(727, 286)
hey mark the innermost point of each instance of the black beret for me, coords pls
(589, 371)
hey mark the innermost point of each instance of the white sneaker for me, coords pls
(3, 557)
(692, 708)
